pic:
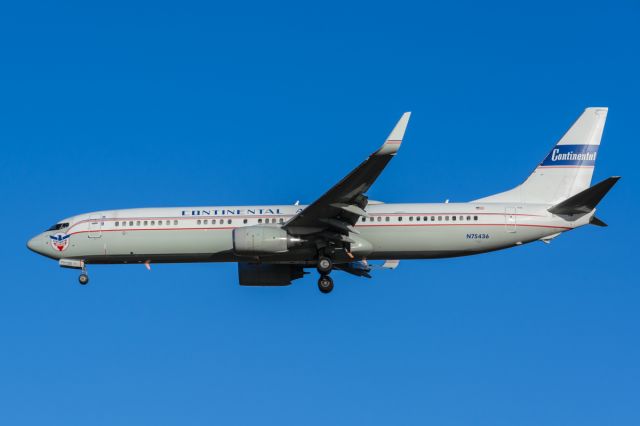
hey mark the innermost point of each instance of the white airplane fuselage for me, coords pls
(394, 231)
(342, 229)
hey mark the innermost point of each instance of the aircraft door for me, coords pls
(510, 219)
(95, 226)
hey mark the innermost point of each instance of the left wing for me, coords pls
(338, 210)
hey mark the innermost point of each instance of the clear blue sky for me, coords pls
(139, 104)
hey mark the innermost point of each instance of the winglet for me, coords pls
(394, 140)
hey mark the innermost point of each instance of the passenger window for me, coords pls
(433, 218)
(175, 222)
(206, 221)
(387, 219)
(117, 223)
(229, 221)
(418, 218)
(138, 223)
(446, 218)
(153, 222)
(244, 221)
(475, 218)
(145, 223)
(199, 222)
(379, 218)
(364, 219)
(259, 221)
(410, 218)
(453, 218)
(468, 217)
(439, 218)
(281, 220)
(399, 218)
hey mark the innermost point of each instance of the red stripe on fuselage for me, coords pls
(372, 225)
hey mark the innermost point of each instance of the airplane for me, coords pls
(273, 245)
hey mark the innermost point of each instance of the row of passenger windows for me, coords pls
(125, 223)
(281, 220)
(230, 221)
(145, 223)
(422, 218)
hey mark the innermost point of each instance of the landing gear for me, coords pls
(325, 265)
(325, 284)
(83, 279)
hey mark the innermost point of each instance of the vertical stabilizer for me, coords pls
(567, 169)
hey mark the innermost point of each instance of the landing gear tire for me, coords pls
(83, 279)
(325, 265)
(325, 284)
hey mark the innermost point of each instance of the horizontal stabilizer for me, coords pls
(587, 200)
(597, 222)
(390, 264)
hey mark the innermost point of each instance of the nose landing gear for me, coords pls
(83, 279)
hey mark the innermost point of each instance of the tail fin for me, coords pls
(567, 169)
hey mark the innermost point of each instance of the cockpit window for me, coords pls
(58, 226)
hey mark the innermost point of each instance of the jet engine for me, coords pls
(259, 240)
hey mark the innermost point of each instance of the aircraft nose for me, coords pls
(35, 244)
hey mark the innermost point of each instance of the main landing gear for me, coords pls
(324, 266)
(325, 284)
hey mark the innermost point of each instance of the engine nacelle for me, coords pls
(268, 275)
(257, 240)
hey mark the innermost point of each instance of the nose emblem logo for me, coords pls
(59, 241)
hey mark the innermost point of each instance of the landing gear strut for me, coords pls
(83, 279)
(325, 284)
